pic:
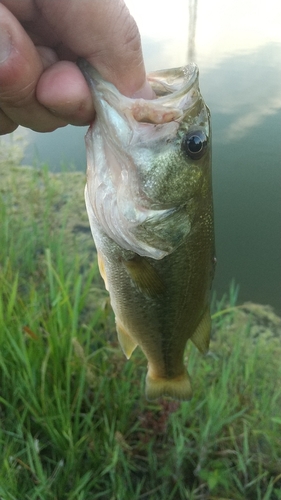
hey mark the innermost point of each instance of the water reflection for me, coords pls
(244, 89)
(237, 47)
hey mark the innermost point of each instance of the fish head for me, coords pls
(149, 161)
(178, 149)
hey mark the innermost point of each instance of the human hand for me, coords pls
(40, 85)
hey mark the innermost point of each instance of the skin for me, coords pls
(40, 85)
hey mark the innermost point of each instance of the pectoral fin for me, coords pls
(125, 340)
(201, 336)
(144, 276)
(164, 229)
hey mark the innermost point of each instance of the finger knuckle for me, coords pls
(17, 97)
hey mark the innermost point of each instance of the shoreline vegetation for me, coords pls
(74, 422)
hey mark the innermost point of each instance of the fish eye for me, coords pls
(194, 144)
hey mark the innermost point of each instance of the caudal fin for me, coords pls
(176, 388)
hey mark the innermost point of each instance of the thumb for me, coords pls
(104, 33)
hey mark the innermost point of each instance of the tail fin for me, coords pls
(176, 388)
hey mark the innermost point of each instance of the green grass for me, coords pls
(74, 423)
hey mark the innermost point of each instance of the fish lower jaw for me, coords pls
(175, 388)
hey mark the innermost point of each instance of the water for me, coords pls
(237, 46)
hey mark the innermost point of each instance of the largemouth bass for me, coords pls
(149, 202)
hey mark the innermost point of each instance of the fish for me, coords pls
(150, 207)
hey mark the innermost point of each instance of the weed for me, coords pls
(74, 423)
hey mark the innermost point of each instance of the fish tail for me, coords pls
(176, 388)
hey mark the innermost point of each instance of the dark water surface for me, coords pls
(237, 46)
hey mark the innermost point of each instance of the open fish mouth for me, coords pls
(176, 90)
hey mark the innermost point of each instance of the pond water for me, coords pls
(237, 46)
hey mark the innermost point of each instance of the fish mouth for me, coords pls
(175, 89)
(173, 83)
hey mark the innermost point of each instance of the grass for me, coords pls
(74, 423)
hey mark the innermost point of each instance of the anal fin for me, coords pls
(201, 336)
(125, 340)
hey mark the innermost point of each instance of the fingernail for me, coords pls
(5, 45)
(145, 92)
